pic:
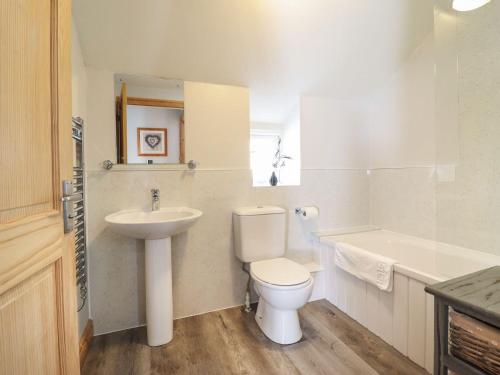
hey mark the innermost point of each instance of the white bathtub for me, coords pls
(403, 318)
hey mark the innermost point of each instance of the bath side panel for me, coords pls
(400, 313)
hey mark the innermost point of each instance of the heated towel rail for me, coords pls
(79, 211)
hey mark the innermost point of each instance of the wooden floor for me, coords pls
(230, 342)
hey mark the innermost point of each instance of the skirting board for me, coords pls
(85, 340)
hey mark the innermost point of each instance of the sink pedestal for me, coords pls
(159, 314)
(161, 224)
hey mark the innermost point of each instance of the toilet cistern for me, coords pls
(155, 199)
(283, 286)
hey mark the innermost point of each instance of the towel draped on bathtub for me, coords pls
(365, 265)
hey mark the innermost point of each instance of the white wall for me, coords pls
(100, 142)
(217, 121)
(334, 133)
(275, 128)
(79, 109)
(434, 135)
(403, 147)
(78, 77)
(468, 201)
(153, 117)
(401, 114)
(279, 48)
(334, 158)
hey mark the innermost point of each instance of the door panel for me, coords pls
(38, 320)
(28, 247)
(25, 118)
(28, 317)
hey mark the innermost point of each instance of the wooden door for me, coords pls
(38, 320)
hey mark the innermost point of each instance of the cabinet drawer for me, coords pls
(475, 342)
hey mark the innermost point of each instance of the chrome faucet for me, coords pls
(155, 197)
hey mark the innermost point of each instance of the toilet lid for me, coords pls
(279, 271)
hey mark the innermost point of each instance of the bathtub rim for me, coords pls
(328, 238)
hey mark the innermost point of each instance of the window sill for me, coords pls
(277, 186)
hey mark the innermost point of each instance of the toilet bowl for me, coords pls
(283, 287)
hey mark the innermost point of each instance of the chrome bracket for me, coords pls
(192, 164)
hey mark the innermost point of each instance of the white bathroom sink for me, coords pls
(156, 228)
(153, 225)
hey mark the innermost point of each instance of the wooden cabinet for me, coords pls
(476, 296)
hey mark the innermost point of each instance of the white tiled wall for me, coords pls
(403, 148)
(403, 200)
(434, 135)
(206, 274)
(468, 205)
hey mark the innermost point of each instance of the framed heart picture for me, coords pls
(152, 142)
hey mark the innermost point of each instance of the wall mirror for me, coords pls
(149, 120)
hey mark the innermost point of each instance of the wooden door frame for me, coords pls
(148, 102)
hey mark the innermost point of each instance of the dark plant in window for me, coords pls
(278, 162)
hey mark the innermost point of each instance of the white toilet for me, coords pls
(283, 285)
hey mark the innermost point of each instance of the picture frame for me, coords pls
(152, 142)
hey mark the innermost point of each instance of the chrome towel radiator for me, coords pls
(79, 211)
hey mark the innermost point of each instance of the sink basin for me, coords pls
(156, 228)
(153, 225)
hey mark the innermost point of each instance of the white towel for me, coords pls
(365, 265)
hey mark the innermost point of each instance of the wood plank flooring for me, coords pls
(230, 342)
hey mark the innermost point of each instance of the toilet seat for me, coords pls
(280, 272)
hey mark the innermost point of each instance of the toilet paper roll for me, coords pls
(309, 213)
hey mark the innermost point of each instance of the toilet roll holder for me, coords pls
(300, 211)
(306, 212)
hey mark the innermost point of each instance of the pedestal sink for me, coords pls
(156, 228)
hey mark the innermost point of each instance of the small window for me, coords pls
(274, 156)
(262, 150)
